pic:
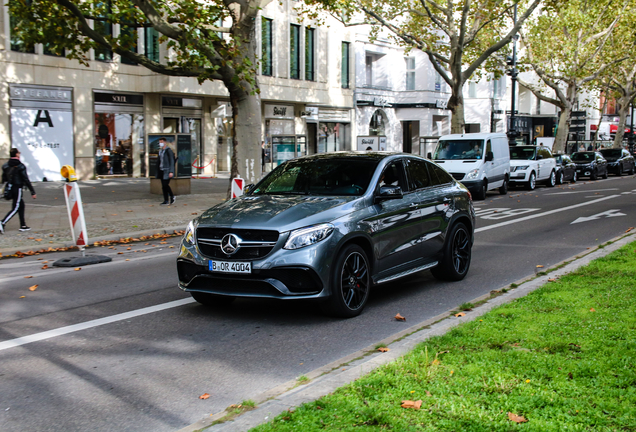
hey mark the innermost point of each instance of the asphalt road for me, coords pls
(143, 369)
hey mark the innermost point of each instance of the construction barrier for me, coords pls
(237, 187)
(74, 207)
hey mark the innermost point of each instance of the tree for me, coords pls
(459, 36)
(566, 46)
(198, 48)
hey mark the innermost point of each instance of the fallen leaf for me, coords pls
(428, 393)
(195, 213)
(170, 247)
(38, 239)
(30, 238)
(33, 287)
(629, 229)
(461, 314)
(77, 268)
(127, 259)
(539, 266)
(383, 349)
(412, 404)
(28, 277)
(128, 211)
(120, 253)
(44, 267)
(592, 310)
(128, 248)
(51, 235)
(204, 396)
(516, 418)
(551, 280)
(22, 296)
(399, 317)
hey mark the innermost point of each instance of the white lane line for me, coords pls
(12, 343)
(582, 191)
(534, 216)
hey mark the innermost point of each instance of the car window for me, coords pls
(544, 152)
(583, 156)
(488, 146)
(438, 175)
(393, 175)
(522, 152)
(418, 174)
(459, 149)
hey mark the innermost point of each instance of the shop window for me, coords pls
(114, 138)
(377, 125)
(151, 44)
(410, 73)
(266, 49)
(333, 137)
(310, 35)
(294, 51)
(344, 67)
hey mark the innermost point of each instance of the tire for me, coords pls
(551, 180)
(631, 171)
(620, 171)
(480, 195)
(574, 177)
(455, 263)
(532, 182)
(503, 190)
(559, 178)
(606, 174)
(594, 175)
(212, 300)
(350, 283)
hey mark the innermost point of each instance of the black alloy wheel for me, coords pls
(457, 254)
(351, 283)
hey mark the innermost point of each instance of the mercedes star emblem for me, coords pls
(230, 244)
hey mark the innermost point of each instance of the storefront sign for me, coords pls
(53, 94)
(311, 114)
(119, 98)
(334, 115)
(44, 139)
(279, 111)
(441, 103)
(371, 143)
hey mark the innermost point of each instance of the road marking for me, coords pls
(502, 213)
(538, 215)
(12, 343)
(582, 191)
(607, 214)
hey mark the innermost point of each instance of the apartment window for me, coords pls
(368, 68)
(105, 29)
(499, 87)
(18, 44)
(151, 44)
(128, 36)
(294, 51)
(345, 72)
(266, 50)
(472, 89)
(410, 73)
(52, 50)
(309, 54)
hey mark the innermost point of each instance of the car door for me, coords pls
(601, 164)
(397, 228)
(545, 163)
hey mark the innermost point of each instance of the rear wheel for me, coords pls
(551, 180)
(594, 175)
(212, 300)
(606, 175)
(574, 177)
(350, 283)
(481, 193)
(532, 181)
(559, 177)
(457, 253)
(504, 187)
(631, 171)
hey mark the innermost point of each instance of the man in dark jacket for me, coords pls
(15, 172)
(165, 171)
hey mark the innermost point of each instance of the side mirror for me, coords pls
(489, 156)
(389, 193)
(539, 157)
(249, 188)
(429, 155)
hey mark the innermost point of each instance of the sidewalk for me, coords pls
(112, 207)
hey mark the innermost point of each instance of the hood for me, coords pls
(460, 166)
(520, 162)
(280, 213)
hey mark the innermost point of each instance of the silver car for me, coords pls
(330, 227)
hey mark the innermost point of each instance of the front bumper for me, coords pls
(474, 186)
(519, 176)
(283, 274)
(584, 171)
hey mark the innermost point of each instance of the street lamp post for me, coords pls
(512, 62)
(630, 138)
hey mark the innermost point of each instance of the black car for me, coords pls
(565, 169)
(329, 227)
(590, 164)
(619, 161)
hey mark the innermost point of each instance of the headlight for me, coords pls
(472, 174)
(519, 168)
(308, 236)
(188, 237)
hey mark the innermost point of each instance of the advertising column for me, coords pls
(42, 129)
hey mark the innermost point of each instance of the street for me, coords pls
(140, 352)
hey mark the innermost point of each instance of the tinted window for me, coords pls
(438, 175)
(583, 156)
(459, 149)
(613, 153)
(393, 175)
(522, 152)
(418, 174)
(329, 176)
(544, 152)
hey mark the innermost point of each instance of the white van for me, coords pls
(480, 161)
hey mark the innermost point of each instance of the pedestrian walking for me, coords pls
(166, 171)
(15, 173)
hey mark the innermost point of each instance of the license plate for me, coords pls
(230, 267)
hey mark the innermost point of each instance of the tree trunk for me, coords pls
(456, 105)
(623, 109)
(563, 130)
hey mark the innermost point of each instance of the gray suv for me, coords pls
(330, 227)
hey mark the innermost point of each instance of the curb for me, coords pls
(328, 378)
(5, 252)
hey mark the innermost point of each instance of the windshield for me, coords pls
(459, 149)
(583, 157)
(328, 176)
(612, 153)
(522, 153)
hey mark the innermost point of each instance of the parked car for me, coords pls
(619, 161)
(565, 169)
(531, 164)
(329, 227)
(590, 164)
(481, 161)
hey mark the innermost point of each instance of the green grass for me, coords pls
(564, 357)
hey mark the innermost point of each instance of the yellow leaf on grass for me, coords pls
(204, 396)
(412, 404)
(33, 287)
(592, 310)
(517, 418)
(399, 317)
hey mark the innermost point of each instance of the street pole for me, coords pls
(630, 139)
(512, 61)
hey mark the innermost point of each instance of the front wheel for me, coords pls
(481, 193)
(504, 187)
(594, 175)
(574, 177)
(350, 283)
(606, 175)
(532, 182)
(457, 253)
(551, 180)
(631, 171)
(559, 178)
(212, 300)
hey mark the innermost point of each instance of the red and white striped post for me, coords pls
(76, 214)
(237, 187)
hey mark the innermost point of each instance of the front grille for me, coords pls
(258, 243)
(458, 176)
